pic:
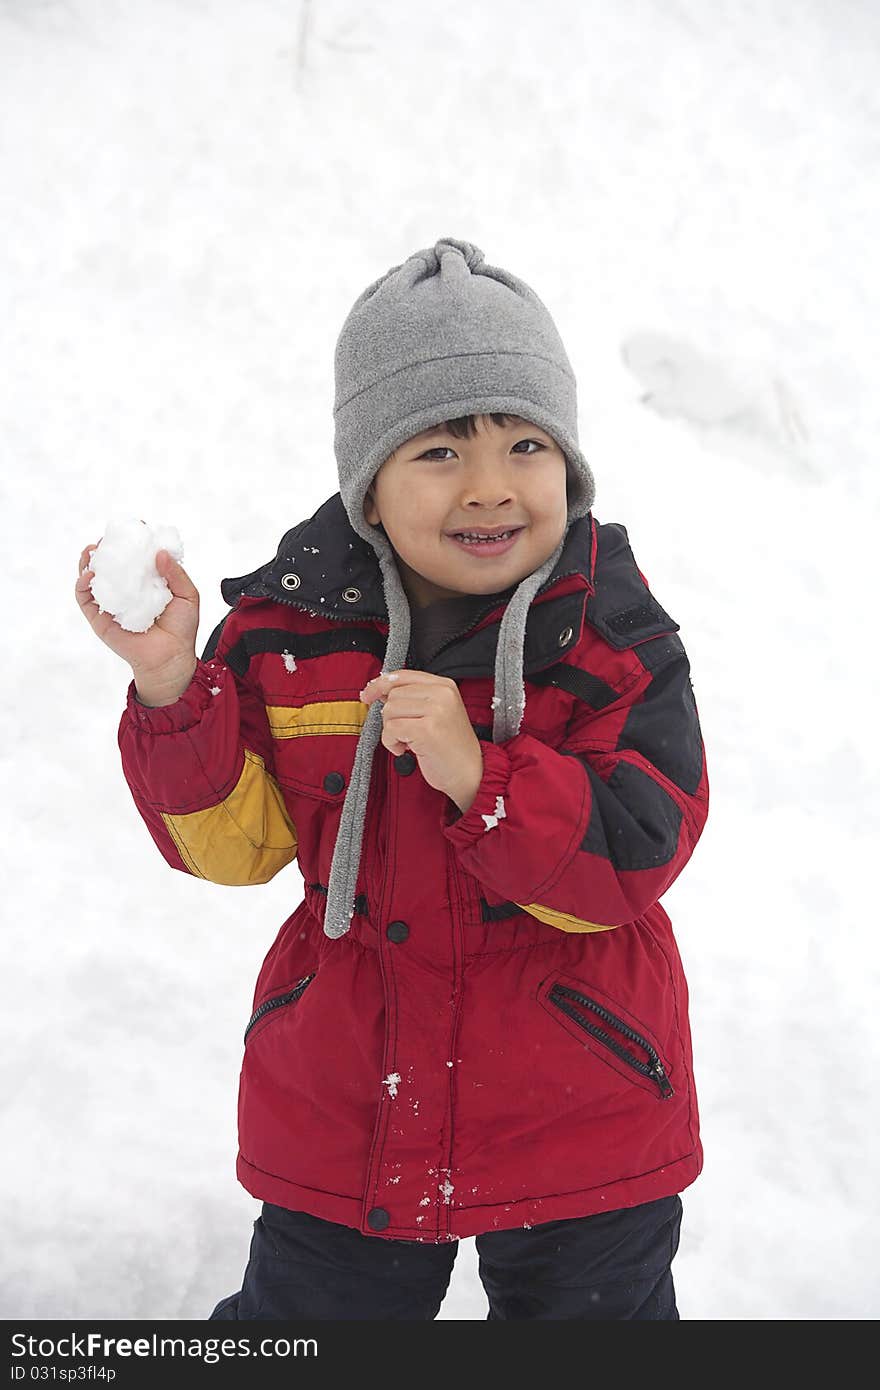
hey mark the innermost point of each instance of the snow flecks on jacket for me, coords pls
(289, 660)
(392, 1081)
(500, 814)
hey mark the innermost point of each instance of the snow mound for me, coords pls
(742, 399)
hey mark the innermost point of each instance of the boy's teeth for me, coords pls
(477, 536)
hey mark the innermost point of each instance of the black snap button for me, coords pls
(397, 931)
(405, 763)
(334, 782)
(378, 1219)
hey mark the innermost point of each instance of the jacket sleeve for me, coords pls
(201, 772)
(589, 835)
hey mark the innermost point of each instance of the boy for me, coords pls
(475, 1023)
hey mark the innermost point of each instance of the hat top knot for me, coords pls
(471, 254)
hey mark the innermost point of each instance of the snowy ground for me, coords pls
(193, 193)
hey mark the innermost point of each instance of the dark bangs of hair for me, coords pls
(465, 426)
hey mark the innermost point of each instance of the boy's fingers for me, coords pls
(84, 596)
(176, 577)
(85, 558)
(406, 676)
(375, 681)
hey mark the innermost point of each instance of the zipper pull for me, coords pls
(662, 1080)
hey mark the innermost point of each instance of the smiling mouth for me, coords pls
(487, 545)
(485, 537)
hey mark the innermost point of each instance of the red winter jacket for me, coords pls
(502, 1036)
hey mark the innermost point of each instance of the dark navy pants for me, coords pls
(615, 1265)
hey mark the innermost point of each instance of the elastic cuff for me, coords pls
(207, 683)
(484, 807)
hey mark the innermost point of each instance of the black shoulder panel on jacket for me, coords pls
(622, 609)
(211, 644)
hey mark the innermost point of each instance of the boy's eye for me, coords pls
(439, 448)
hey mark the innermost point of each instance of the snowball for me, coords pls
(125, 580)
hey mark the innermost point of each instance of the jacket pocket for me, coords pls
(277, 1002)
(314, 746)
(623, 1046)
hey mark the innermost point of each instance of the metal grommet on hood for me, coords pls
(351, 595)
(565, 636)
(290, 581)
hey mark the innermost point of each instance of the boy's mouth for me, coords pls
(494, 541)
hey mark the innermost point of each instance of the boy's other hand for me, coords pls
(425, 714)
(163, 658)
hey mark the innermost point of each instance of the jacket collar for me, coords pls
(324, 566)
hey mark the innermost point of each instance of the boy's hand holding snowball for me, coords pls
(142, 604)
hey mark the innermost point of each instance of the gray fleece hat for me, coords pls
(440, 336)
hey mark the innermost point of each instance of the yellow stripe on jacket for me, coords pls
(244, 839)
(563, 920)
(322, 717)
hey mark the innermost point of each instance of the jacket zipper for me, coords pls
(278, 1001)
(564, 998)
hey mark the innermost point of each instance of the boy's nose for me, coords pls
(487, 495)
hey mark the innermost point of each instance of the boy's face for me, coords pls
(436, 485)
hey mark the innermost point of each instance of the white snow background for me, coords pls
(193, 194)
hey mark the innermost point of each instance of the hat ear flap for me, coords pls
(368, 505)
